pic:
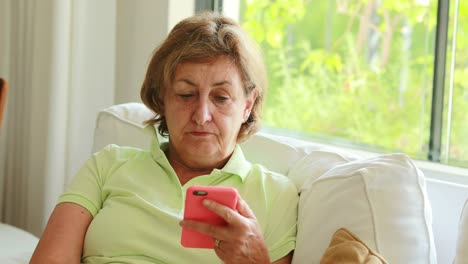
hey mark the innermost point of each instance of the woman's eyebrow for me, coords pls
(187, 82)
(222, 83)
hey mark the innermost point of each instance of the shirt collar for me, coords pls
(155, 139)
(237, 164)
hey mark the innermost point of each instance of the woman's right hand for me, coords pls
(241, 240)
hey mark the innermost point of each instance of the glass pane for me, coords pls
(456, 150)
(353, 72)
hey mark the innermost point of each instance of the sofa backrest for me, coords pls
(383, 199)
(123, 125)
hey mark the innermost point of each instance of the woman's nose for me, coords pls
(202, 113)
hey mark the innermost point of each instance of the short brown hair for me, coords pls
(201, 38)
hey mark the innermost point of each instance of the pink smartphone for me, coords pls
(194, 210)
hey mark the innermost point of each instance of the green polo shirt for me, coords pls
(137, 203)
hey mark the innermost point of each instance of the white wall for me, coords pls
(5, 17)
(65, 60)
(61, 72)
(92, 74)
(179, 10)
(141, 26)
(137, 35)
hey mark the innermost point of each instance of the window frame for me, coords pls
(438, 85)
(433, 166)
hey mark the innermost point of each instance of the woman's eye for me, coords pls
(221, 98)
(185, 95)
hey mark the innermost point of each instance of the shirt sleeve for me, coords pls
(280, 234)
(85, 189)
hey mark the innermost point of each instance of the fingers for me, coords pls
(244, 209)
(214, 231)
(240, 240)
(230, 216)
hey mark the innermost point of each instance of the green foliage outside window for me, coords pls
(358, 71)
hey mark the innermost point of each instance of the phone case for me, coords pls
(194, 210)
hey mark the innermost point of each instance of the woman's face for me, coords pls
(204, 110)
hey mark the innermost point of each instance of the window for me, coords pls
(361, 73)
(455, 139)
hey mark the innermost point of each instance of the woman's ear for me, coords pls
(251, 98)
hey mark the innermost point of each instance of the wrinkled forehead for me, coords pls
(207, 60)
(211, 73)
(223, 65)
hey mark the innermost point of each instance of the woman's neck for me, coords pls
(185, 173)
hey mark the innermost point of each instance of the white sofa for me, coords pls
(385, 200)
(16, 245)
(410, 219)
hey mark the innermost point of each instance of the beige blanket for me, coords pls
(346, 248)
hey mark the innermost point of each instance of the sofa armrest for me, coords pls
(16, 245)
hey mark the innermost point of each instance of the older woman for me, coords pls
(206, 84)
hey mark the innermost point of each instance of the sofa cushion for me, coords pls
(276, 153)
(462, 242)
(122, 125)
(382, 199)
(316, 163)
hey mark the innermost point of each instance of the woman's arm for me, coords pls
(62, 240)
